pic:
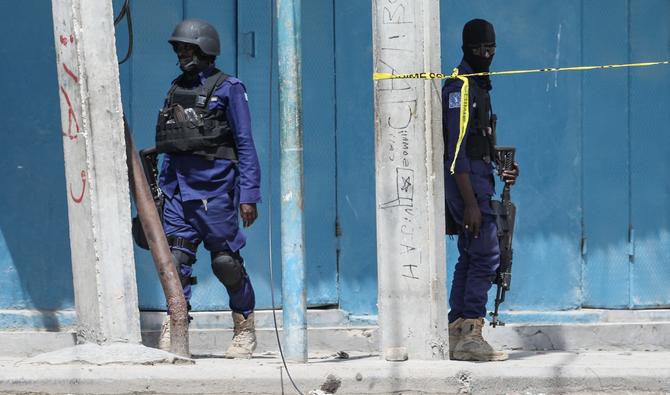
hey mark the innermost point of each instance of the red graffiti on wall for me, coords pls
(64, 39)
(78, 199)
(70, 73)
(71, 116)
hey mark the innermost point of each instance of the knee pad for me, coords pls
(227, 267)
(183, 263)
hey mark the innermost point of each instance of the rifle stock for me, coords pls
(149, 160)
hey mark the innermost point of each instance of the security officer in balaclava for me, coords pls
(468, 193)
(210, 174)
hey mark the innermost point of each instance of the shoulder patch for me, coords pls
(455, 100)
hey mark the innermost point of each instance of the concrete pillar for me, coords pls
(409, 181)
(96, 172)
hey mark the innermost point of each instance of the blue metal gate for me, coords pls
(594, 222)
(626, 166)
(244, 29)
(605, 245)
(649, 159)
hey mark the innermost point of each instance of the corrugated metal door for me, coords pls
(626, 165)
(606, 172)
(254, 65)
(649, 155)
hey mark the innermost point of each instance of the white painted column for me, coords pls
(409, 180)
(96, 172)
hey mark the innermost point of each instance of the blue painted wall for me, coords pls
(593, 219)
(540, 114)
(594, 224)
(35, 271)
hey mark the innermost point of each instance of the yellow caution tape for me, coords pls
(465, 97)
(432, 76)
(464, 115)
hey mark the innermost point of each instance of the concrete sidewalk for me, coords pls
(524, 373)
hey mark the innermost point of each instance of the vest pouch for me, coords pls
(189, 136)
(478, 146)
(163, 118)
(186, 125)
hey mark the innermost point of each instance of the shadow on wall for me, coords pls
(34, 246)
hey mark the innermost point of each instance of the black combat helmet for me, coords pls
(197, 32)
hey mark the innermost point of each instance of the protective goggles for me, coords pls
(483, 49)
(178, 46)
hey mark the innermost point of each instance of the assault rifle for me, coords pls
(505, 212)
(149, 159)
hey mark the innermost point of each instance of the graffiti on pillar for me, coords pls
(395, 13)
(70, 73)
(407, 249)
(64, 40)
(404, 189)
(80, 196)
(393, 84)
(72, 115)
(398, 117)
(69, 88)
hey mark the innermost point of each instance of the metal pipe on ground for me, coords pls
(160, 251)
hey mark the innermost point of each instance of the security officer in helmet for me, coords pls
(468, 194)
(210, 174)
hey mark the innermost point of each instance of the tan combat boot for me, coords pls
(244, 337)
(164, 337)
(455, 335)
(473, 347)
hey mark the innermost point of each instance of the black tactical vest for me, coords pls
(480, 143)
(187, 125)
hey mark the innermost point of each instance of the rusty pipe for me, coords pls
(160, 251)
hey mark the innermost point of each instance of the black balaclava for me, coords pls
(475, 33)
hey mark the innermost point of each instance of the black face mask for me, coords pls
(193, 65)
(478, 34)
(479, 64)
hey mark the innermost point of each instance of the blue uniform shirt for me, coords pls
(481, 173)
(199, 178)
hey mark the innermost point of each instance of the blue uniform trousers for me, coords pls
(475, 270)
(214, 222)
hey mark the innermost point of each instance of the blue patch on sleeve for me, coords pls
(455, 100)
